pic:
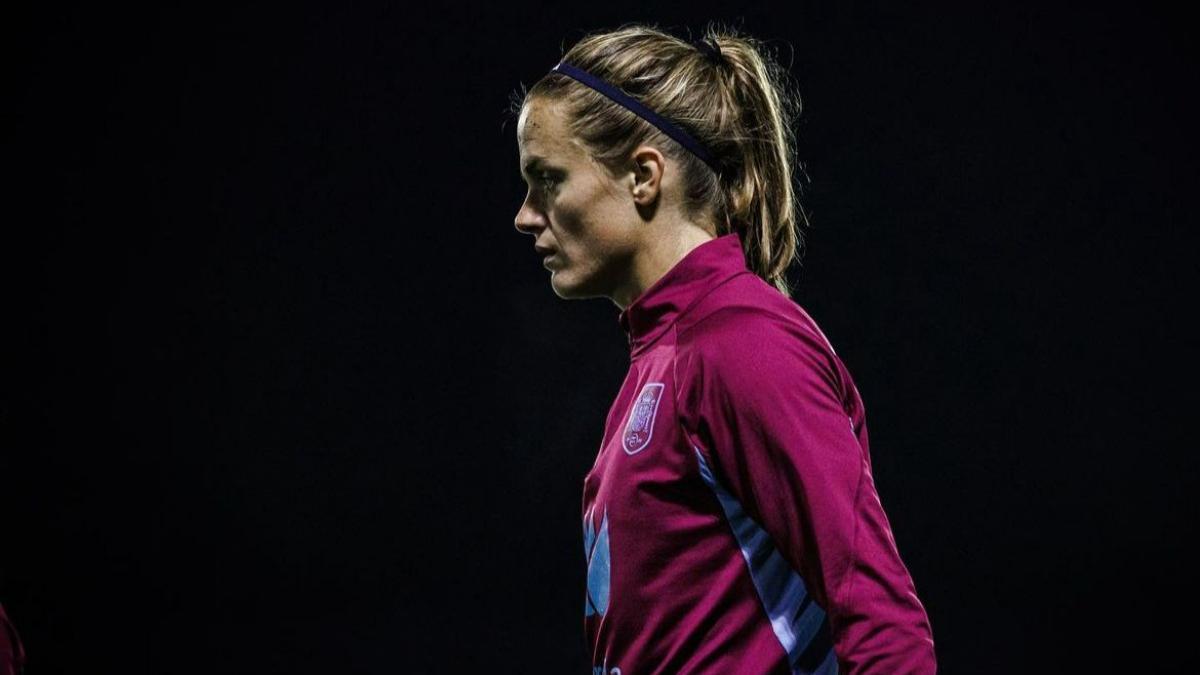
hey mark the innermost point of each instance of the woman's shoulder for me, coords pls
(751, 331)
(749, 312)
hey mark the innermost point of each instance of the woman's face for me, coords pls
(583, 221)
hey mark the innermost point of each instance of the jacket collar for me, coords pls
(702, 269)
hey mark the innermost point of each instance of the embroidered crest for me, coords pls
(640, 426)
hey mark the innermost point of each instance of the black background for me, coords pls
(285, 392)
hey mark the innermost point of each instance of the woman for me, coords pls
(731, 523)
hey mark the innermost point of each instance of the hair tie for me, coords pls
(712, 50)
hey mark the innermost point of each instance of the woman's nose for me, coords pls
(528, 220)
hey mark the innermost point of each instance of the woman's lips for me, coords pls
(546, 252)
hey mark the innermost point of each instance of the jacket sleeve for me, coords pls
(769, 417)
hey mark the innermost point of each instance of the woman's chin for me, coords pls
(564, 286)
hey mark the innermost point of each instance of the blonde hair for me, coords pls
(742, 110)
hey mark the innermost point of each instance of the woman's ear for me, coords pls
(648, 165)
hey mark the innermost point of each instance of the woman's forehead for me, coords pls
(542, 132)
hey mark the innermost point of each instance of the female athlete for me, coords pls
(731, 522)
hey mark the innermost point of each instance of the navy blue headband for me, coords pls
(640, 110)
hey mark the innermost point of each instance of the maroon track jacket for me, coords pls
(730, 521)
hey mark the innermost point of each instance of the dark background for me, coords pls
(283, 390)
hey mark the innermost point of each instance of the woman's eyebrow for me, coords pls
(539, 163)
(532, 165)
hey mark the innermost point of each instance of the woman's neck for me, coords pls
(660, 252)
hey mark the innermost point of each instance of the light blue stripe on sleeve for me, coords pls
(795, 616)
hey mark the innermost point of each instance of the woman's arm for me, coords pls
(769, 418)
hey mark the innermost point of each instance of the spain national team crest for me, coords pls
(640, 426)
